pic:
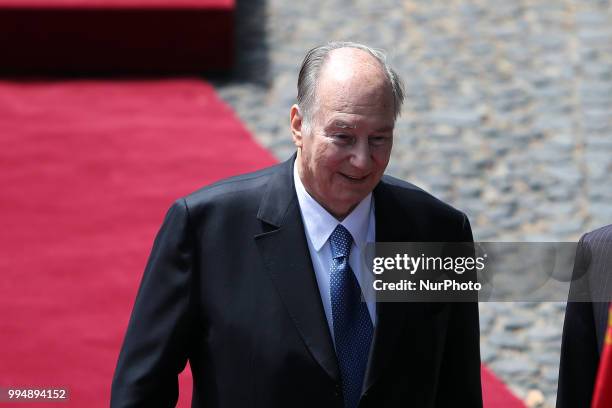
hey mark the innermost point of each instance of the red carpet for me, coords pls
(495, 394)
(87, 171)
(109, 36)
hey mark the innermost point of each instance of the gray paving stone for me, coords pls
(591, 19)
(551, 375)
(487, 321)
(488, 354)
(567, 228)
(507, 340)
(546, 358)
(544, 333)
(456, 118)
(518, 322)
(515, 367)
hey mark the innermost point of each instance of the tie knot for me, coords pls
(340, 242)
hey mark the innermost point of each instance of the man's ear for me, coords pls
(296, 125)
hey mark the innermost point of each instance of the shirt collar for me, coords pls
(319, 223)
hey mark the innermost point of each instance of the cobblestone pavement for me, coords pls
(508, 117)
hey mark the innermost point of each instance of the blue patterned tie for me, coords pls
(352, 325)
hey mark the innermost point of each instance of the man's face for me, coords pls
(344, 150)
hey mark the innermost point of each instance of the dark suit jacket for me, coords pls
(585, 322)
(230, 287)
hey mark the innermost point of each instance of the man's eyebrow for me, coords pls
(343, 125)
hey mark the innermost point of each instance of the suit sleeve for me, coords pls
(155, 348)
(579, 349)
(459, 382)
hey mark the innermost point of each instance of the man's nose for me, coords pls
(361, 156)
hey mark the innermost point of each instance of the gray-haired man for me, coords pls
(256, 280)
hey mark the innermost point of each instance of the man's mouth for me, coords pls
(355, 179)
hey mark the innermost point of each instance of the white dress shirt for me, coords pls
(319, 225)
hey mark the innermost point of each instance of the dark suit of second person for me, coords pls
(586, 319)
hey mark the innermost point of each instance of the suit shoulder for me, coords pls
(244, 189)
(602, 234)
(418, 198)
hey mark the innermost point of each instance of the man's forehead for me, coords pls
(355, 71)
(346, 62)
(345, 107)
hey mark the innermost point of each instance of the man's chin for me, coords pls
(348, 204)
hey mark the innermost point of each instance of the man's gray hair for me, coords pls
(316, 58)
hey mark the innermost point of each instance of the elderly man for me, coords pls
(586, 319)
(256, 280)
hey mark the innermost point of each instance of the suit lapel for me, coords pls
(286, 256)
(391, 316)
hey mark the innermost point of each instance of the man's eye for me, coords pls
(378, 140)
(342, 138)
